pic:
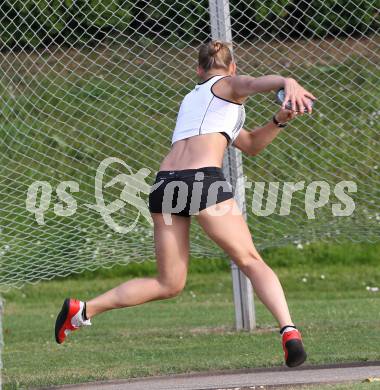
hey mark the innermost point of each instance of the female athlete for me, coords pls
(191, 182)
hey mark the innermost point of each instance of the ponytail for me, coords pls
(214, 54)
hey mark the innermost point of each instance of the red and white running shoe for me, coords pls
(292, 344)
(70, 318)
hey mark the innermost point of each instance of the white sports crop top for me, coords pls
(202, 112)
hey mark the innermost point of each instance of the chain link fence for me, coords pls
(85, 81)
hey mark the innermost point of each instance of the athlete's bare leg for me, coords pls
(231, 233)
(172, 254)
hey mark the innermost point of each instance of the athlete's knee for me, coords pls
(171, 288)
(248, 259)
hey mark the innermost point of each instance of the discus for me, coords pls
(280, 96)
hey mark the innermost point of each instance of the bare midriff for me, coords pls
(204, 150)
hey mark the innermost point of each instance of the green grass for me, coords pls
(339, 319)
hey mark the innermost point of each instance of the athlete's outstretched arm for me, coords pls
(253, 142)
(244, 86)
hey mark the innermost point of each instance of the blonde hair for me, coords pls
(214, 54)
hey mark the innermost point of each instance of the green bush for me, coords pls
(31, 24)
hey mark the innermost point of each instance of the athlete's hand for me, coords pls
(299, 97)
(283, 116)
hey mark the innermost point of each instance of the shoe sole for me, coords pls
(61, 319)
(297, 353)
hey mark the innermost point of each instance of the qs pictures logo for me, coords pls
(133, 185)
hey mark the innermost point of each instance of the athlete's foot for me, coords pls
(71, 317)
(292, 344)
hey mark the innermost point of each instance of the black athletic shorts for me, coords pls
(186, 192)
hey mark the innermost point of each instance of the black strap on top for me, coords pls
(226, 135)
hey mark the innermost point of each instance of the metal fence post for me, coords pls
(233, 170)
